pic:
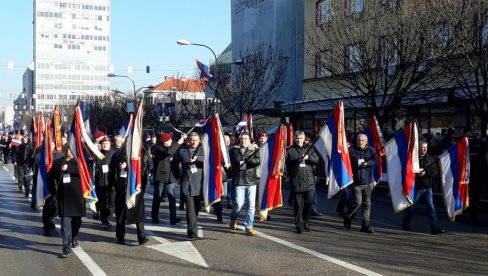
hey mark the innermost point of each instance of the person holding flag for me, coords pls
(299, 163)
(106, 197)
(71, 203)
(363, 159)
(423, 189)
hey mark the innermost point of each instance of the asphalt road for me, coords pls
(329, 249)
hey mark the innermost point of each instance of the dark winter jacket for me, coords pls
(362, 175)
(301, 172)
(191, 182)
(244, 164)
(69, 193)
(426, 181)
(165, 163)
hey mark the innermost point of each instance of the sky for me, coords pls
(144, 32)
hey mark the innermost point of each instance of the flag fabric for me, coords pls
(15, 143)
(205, 71)
(201, 123)
(455, 170)
(56, 128)
(45, 164)
(134, 157)
(39, 131)
(402, 157)
(77, 136)
(250, 126)
(242, 125)
(332, 144)
(33, 131)
(272, 156)
(216, 156)
(289, 134)
(376, 141)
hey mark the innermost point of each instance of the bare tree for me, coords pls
(109, 115)
(373, 56)
(462, 55)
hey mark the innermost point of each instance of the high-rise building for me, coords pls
(71, 51)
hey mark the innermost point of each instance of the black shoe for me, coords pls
(229, 207)
(155, 221)
(46, 233)
(437, 231)
(177, 220)
(299, 229)
(20, 188)
(268, 217)
(74, 244)
(105, 227)
(347, 222)
(65, 255)
(406, 228)
(368, 230)
(144, 241)
(193, 238)
(120, 241)
(307, 227)
(316, 214)
(163, 199)
(220, 220)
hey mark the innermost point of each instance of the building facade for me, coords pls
(71, 51)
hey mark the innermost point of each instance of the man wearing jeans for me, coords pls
(165, 175)
(244, 162)
(423, 189)
(363, 159)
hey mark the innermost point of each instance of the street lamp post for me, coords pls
(112, 75)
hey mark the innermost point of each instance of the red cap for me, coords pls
(165, 137)
(307, 139)
(105, 138)
(263, 134)
(98, 134)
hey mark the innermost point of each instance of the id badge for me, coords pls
(242, 166)
(66, 178)
(360, 161)
(123, 173)
(302, 164)
(105, 168)
(193, 168)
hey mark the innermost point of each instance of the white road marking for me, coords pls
(316, 254)
(5, 168)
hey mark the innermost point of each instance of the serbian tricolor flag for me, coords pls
(15, 143)
(205, 71)
(376, 140)
(272, 156)
(455, 169)
(289, 134)
(332, 146)
(216, 156)
(45, 164)
(134, 157)
(39, 131)
(402, 158)
(201, 123)
(250, 126)
(56, 128)
(77, 138)
(242, 125)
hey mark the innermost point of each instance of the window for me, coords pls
(324, 13)
(353, 58)
(389, 55)
(355, 6)
(323, 64)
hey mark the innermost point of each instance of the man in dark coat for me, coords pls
(244, 165)
(191, 159)
(25, 161)
(166, 175)
(71, 204)
(103, 188)
(423, 189)
(134, 215)
(50, 204)
(363, 159)
(299, 163)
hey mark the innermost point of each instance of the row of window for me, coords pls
(66, 5)
(73, 87)
(71, 96)
(77, 16)
(76, 67)
(324, 10)
(86, 37)
(42, 76)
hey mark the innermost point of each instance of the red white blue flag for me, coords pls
(376, 140)
(272, 156)
(242, 125)
(45, 164)
(332, 146)
(134, 157)
(201, 123)
(205, 71)
(216, 157)
(402, 157)
(77, 139)
(455, 169)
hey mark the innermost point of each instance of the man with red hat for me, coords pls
(166, 175)
(262, 138)
(106, 197)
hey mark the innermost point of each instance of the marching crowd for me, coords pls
(170, 163)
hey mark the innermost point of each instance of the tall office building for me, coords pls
(71, 52)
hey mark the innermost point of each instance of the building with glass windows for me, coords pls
(71, 52)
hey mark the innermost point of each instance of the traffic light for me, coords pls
(148, 69)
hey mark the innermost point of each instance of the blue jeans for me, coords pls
(230, 192)
(70, 226)
(244, 194)
(159, 188)
(426, 194)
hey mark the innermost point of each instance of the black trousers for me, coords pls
(106, 202)
(302, 205)
(120, 230)
(192, 210)
(48, 214)
(70, 226)
(361, 197)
